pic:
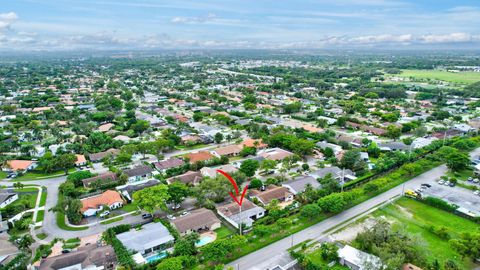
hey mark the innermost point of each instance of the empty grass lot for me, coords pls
(415, 218)
(460, 77)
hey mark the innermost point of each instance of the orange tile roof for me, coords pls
(199, 156)
(19, 165)
(109, 197)
(251, 143)
(80, 159)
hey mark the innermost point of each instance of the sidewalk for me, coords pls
(67, 222)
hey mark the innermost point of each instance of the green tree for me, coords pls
(310, 211)
(178, 191)
(152, 199)
(393, 132)
(268, 164)
(457, 161)
(468, 245)
(218, 137)
(186, 245)
(65, 161)
(73, 211)
(333, 203)
(350, 159)
(249, 167)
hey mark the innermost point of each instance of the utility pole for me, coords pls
(241, 220)
(444, 137)
(343, 178)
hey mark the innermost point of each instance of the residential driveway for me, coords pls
(277, 254)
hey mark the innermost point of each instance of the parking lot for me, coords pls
(456, 195)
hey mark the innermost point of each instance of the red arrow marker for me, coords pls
(235, 186)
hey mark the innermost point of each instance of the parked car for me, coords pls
(104, 214)
(171, 217)
(147, 216)
(476, 180)
(451, 184)
(441, 182)
(66, 250)
(447, 183)
(477, 192)
(176, 206)
(470, 179)
(184, 214)
(426, 185)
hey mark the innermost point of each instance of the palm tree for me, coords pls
(18, 185)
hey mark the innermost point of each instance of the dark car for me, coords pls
(451, 184)
(426, 185)
(146, 216)
(66, 251)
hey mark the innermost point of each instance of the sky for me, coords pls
(68, 25)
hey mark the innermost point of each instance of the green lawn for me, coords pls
(41, 236)
(460, 77)
(40, 215)
(30, 176)
(223, 232)
(316, 258)
(129, 207)
(415, 218)
(461, 175)
(62, 225)
(43, 200)
(3, 175)
(111, 220)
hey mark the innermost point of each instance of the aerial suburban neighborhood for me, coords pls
(239, 159)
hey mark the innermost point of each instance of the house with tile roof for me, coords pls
(250, 212)
(272, 192)
(199, 220)
(94, 204)
(199, 156)
(19, 166)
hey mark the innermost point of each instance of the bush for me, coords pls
(441, 204)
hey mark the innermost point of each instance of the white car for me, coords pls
(184, 214)
(447, 183)
(441, 182)
(476, 192)
(171, 217)
(104, 214)
(476, 180)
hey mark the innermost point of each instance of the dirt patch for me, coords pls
(350, 232)
(404, 211)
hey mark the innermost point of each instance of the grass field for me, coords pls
(30, 176)
(415, 218)
(460, 77)
(223, 232)
(111, 220)
(40, 215)
(316, 258)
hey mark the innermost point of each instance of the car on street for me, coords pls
(441, 182)
(171, 217)
(426, 185)
(184, 214)
(476, 192)
(147, 216)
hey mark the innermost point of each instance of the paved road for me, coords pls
(276, 253)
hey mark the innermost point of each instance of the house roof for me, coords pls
(108, 197)
(105, 127)
(138, 171)
(169, 163)
(80, 159)
(228, 150)
(275, 154)
(272, 192)
(5, 195)
(101, 155)
(189, 177)
(300, 183)
(195, 220)
(85, 256)
(359, 258)
(104, 177)
(7, 248)
(233, 208)
(150, 235)
(253, 143)
(199, 156)
(19, 165)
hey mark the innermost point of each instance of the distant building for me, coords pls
(189, 178)
(275, 154)
(19, 166)
(97, 157)
(138, 173)
(164, 165)
(282, 194)
(7, 197)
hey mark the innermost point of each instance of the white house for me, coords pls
(7, 198)
(358, 260)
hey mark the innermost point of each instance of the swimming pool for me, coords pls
(204, 240)
(156, 257)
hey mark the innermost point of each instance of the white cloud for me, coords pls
(7, 19)
(193, 20)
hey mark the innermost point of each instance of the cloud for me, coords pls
(194, 20)
(7, 19)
